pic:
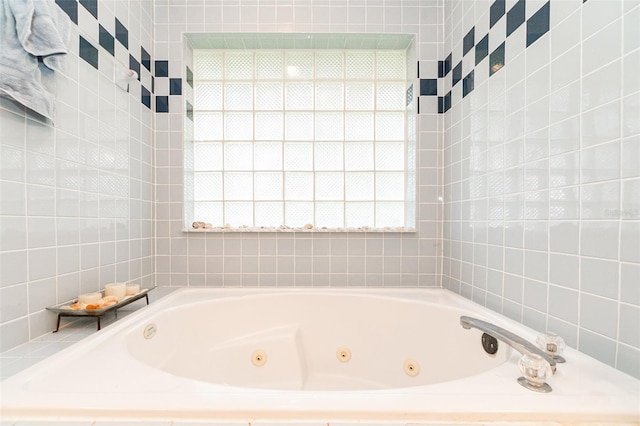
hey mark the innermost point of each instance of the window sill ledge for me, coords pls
(220, 229)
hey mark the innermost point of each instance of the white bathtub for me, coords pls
(310, 356)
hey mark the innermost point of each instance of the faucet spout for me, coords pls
(511, 339)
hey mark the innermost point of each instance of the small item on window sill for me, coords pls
(308, 226)
(201, 225)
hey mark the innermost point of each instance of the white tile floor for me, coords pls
(72, 330)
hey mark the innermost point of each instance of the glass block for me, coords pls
(188, 212)
(208, 212)
(207, 65)
(329, 214)
(268, 96)
(358, 126)
(360, 65)
(188, 156)
(267, 186)
(329, 186)
(299, 96)
(238, 126)
(207, 126)
(358, 155)
(329, 65)
(390, 126)
(298, 126)
(269, 65)
(208, 96)
(328, 155)
(359, 96)
(238, 186)
(329, 126)
(269, 214)
(238, 156)
(298, 214)
(391, 96)
(207, 156)
(238, 214)
(358, 214)
(329, 96)
(299, 65)
(391, 65)
(389, 214)
(298, 186)
(267, 156)
(188, 187)
(389, 186)
(359, 186)
(238, 65)
(269, 126)
(298, 156)
(389, 155)
(207, 186)
(238, 96)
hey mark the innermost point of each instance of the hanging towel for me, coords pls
(33, 43)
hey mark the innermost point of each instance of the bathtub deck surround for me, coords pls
(23, 356)
(243, 355)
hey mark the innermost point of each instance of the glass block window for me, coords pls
(297, 137)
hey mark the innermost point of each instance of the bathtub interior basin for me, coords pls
(326, 341)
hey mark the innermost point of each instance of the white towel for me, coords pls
(33, 41)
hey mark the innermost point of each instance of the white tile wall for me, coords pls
(76, 197)
(556, 174)
(302, 259)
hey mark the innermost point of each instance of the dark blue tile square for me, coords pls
(162, 104)
(189, 111)
(91, 6)
(538, 24)
(134, 65)
(162, 68)
(447, 102)
(145, 97)
(428, 87)
(456, 74)
(515, 17)
(496, 12)
(153, 84)
(418, 69)
(106, 40)
(145, 59)
(447, 64)
(70, 7)
(122, 34)
(190, 77)
(467, 84)
(482, 49)
(496, 60)
(440, 69)
(88, 52)
(175, 86)
(440, 104)
(468, 41)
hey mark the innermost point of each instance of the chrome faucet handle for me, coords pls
(552, 344)
(536, 370)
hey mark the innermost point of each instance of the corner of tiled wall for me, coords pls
(76, 197)
(541, 170)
